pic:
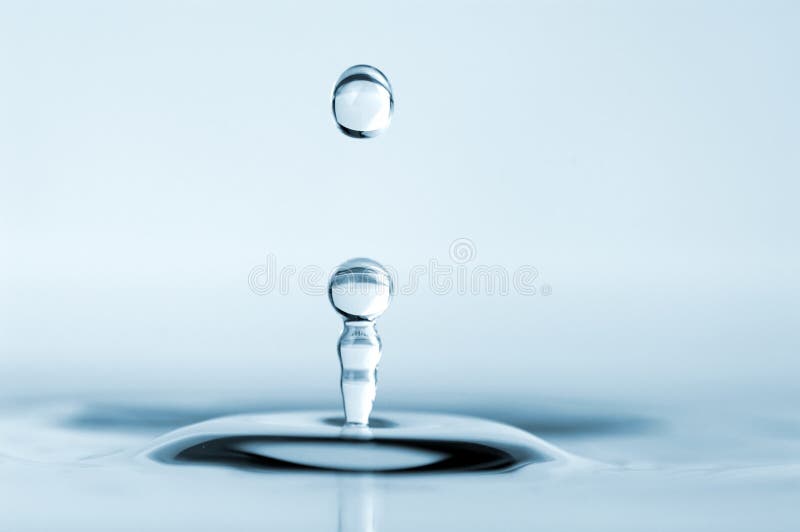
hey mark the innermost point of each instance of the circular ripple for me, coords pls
(313, 441)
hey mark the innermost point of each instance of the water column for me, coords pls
(360, 290)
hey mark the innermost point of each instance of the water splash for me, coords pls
(360, 290)
(307, 441)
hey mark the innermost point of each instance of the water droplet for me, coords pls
(362, 102)
(360, 289)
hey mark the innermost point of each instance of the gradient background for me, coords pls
(643, 156)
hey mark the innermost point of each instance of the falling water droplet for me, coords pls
(363, 102)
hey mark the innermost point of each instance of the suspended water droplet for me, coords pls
(360, 289)
(362, 102)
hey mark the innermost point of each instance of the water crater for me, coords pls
(402, 442)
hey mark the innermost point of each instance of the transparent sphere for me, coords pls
(360, 289)
(362, 102)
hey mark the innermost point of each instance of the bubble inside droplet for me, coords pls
(362, 102)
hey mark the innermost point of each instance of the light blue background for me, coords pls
(642, 155)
